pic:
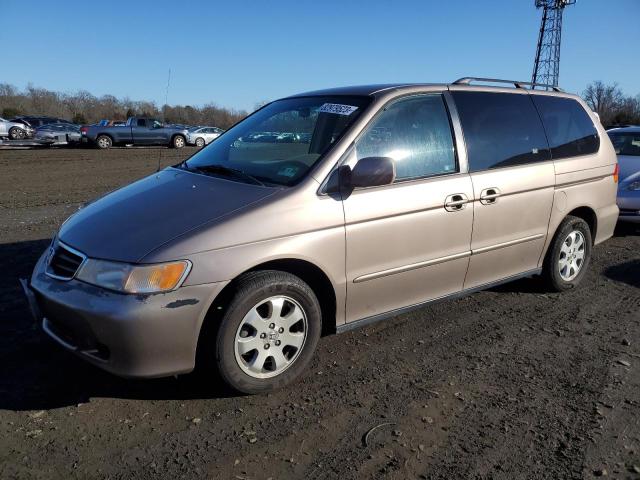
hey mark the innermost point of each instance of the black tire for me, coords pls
(551, 268)
(178, 141)
(17, 133)
(200, 142)
(104, 142)
(252, 289)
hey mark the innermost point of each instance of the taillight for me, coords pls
(616, 173)
(84, 130)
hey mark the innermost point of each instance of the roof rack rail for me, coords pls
(516, 83)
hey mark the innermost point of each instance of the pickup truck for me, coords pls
(137, 131)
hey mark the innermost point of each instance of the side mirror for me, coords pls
(368, 172)
(373, 172)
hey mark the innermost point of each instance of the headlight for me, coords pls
(634, 186)
(123, 277)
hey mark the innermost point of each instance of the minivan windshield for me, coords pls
(280, 143)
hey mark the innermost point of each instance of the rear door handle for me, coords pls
(489, 196)
(455, 202)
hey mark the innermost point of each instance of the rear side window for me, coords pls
(500, 130)
(415, 132)
(570, 131)
(142, 122)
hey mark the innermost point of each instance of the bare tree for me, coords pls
(604, 100)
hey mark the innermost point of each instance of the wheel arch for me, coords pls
(178, 134)
(105, 134)
(587, 214)
(307, 271)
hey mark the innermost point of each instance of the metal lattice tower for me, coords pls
(546, 68)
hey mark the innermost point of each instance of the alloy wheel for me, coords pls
(572, 254)
(270, 337)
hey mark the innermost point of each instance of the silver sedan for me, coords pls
(626, 141)
(201, 136)
(15, 130)
(58, 134)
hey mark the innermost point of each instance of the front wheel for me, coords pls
(17, 133)
(569, 254)
(199, 142)
(178, 141)
(268, 333)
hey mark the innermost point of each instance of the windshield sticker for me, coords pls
(337, 109)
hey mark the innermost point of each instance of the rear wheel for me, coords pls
(17, 133)
(268, 333)
(178, 141)
(200, 142)
(104, 141)
(569, 254)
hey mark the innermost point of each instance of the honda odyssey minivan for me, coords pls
(384, 198)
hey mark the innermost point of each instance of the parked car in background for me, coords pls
(201, 136)
(241, 255)
(15, 130)
(137, 131)
(36, 121)
(56, 134)
(626, 142)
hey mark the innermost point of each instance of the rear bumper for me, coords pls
(127, 335)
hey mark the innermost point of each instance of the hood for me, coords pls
(629, 165)
(128, 223)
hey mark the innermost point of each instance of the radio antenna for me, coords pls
(164, 120)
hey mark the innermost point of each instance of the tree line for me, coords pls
(611, 104)
(84, 108)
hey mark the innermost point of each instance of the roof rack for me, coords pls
(516, 83)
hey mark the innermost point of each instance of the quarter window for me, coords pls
(500, 130)
(569, 129)
(415, 132)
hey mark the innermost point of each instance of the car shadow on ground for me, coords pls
(626, 229)
(38, 374)
(627, 272)
(533, 284)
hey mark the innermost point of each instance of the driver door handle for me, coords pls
(456, 202)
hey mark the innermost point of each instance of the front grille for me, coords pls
(63, 262)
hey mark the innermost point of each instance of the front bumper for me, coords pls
(128, 335)
(629, 204)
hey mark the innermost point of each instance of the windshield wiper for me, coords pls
(224, 170)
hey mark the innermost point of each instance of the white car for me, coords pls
(201, 136)
(15, 130)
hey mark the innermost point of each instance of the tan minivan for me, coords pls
(323, 212)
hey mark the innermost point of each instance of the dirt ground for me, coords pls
(510, 383)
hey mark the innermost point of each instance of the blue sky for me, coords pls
(237, 53)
